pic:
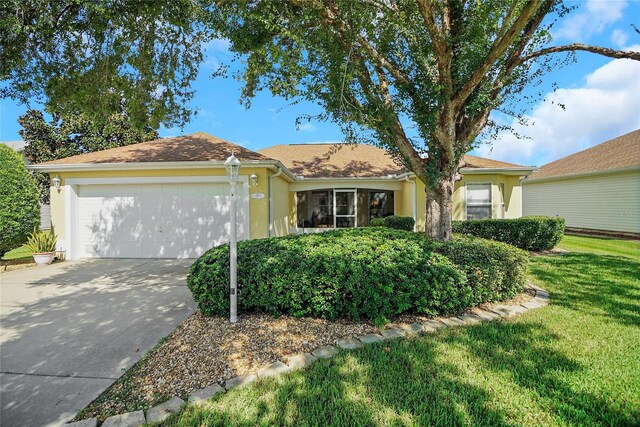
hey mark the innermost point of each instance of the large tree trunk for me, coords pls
(440, 209)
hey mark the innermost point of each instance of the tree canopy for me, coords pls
(103, 56)
(417, 77)
(70, 134)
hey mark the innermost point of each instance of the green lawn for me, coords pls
(21, 253)
(575, 362)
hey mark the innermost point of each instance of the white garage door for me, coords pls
(155, 220)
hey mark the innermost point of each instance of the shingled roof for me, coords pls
(618, 153)
(351, 160)
(187, 148)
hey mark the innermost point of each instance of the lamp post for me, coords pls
(233, 167)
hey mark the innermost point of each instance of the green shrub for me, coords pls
(400, 222)
(354, 273)
(19, 207)
(42, 241)
(532, 233)
(376, 222)
(495, 271)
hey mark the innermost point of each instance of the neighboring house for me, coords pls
(169, 198)
(597, 189)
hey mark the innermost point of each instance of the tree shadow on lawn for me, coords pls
(496, 374)
(607, 286)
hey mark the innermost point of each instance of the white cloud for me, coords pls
(619, 38)
(306, 127)
(605, 106)
(215, 51)
(592, 17)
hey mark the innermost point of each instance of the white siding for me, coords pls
(608, 202)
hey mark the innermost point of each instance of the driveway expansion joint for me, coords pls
(83, 377)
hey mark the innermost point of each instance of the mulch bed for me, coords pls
(204, 351)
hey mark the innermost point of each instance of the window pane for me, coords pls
(478, 212)
(345, 203)
(478, 193)
(345, 222)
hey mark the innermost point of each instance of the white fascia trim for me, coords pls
(533, 180)
(152, 180)
(502, 171)
(270, 164)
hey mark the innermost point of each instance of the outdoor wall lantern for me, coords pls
(233, 168)
(56, 182)
(254, 180)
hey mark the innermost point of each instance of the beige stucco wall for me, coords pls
(280, 209)
(512, 195)
(283, 196)
(608, 202)
(258, 208)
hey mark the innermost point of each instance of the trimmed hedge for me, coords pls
(396, 222)
(531, 233)
(376, 222)
(355, 273)
(400, 222)
(495, 271)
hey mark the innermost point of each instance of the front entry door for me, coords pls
(346, 208)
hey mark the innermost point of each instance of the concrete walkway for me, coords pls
(69, 330)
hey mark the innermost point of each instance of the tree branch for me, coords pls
(604, 51)
(498, 49)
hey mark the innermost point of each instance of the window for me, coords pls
(478, 201)
(380, 204)
(345, 203)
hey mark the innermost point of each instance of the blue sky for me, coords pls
(602, 98)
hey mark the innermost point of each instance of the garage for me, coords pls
(153, 220)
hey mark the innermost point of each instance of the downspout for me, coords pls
(415, 202)
(271, 201)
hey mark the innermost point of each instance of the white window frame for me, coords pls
(354, 191)
(466, 200)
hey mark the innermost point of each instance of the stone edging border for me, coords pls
(163, 411)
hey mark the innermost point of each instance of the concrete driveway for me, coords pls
(69, 330)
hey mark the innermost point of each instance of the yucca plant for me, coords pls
(42, 241)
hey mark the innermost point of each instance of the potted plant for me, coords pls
(43, 246)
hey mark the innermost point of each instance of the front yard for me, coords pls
(576, 362)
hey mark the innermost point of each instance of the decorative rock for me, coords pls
(370, 338)
(240, 381)
(163, 411)
(272, 370)
(470, 319)
(325, 352)
(531, 305)
(452, 321)
(542, 294)
(508, 310)
(393, 333)
(541, 301)
(412, 329)
(300, 361)
(432, 325)
(205, 394)
(130, 419)
(349, 344)
(89, 422)
(486, 315)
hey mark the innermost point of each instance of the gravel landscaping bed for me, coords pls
(204, 351)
